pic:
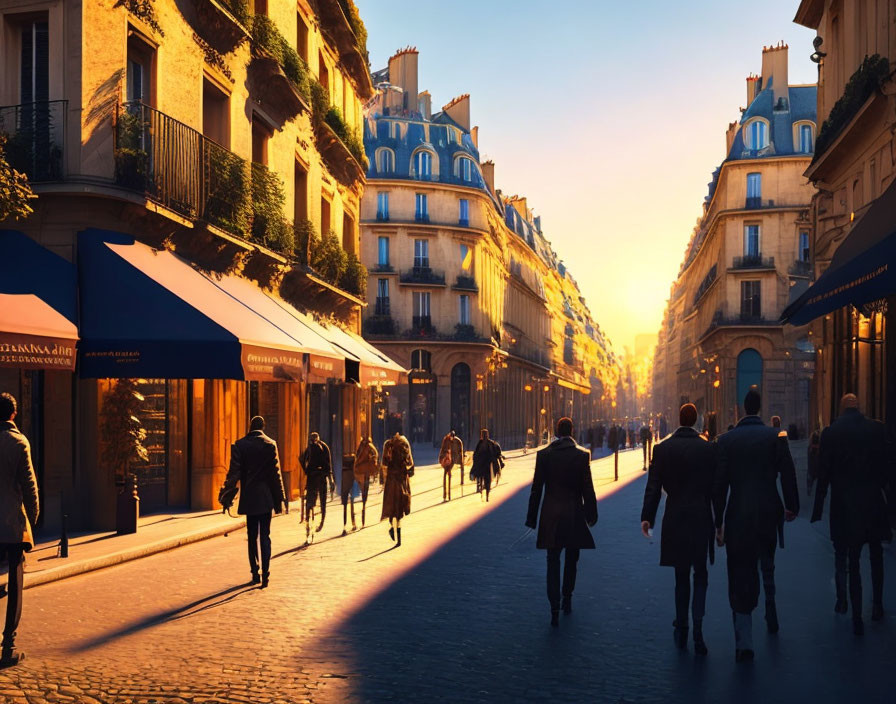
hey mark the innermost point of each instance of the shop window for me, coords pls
(421, 360)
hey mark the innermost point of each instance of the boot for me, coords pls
(771, 617)
(10, 657)
(743, 637)
(398, 542)
(555, 618)
(392, 533)
(877, 612)
(567, 605)
(265, 578)
(699, 644)
(840, 606)
(680, 636)
(255, 578)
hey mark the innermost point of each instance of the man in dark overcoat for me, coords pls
(749, 514)
(486, 463)
(317, 464)
(683, 466)
(853, 458)
(255, 465)
(646, 435)
(563, 474)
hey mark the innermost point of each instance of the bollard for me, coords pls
(63, 538)
(616, 464)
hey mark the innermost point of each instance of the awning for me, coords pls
(862, 269)
(376, 369)
(38, 305)
(148, 313)
(574, 386)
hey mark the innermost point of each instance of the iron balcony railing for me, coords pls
(801, 267)
(465, 282)
(753, 261)
(35, 138)
(422, 324)
(423, 275)
(382, 305)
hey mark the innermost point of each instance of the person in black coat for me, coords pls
(683, 466)
(486, 463)
(749, 514)
(853, 458)
(255, 465)
(563, 474)
(317, 464)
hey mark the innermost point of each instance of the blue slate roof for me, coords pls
(798, 106)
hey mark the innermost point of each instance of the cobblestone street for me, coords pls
(457, 613)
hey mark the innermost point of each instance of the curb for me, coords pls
(54, 574)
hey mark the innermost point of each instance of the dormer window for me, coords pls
(463, 169)
(757, 135)
(423, 164)
(385, 161)
(806, 138)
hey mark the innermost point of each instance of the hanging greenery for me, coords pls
(228, 184)
(305, 240)
(266, 36)
(268, 224)
(329, 259)
(121, 431)
(357, 25)
(239, 9)
(131, 159)
(349, 137)
(354, 278)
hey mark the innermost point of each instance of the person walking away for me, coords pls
(853, 457)
(451, 454)
(563, 475)
(645, 444)
(366, 466)
(749, 515)
(255, 466)
(347, 492)
(683, 467)
(776, 422)
(19, 509)
(485, 461)
(318, 467)
(399, 467)
(812, 464)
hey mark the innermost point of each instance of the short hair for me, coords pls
(257, 423)
(313, 437)
(776, 421)
(753, 401)
(564, 427)
(8, 406)
(849, 401)
(687, 415)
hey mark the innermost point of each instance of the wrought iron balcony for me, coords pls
(422, 276)
(753, 261)
(801, 267)
(465, 283)
(421, 217)
(754, 202)
(382, 217)
(422, 325)
(35, 144)
(383, 269)
(380, 326)
(382, 305)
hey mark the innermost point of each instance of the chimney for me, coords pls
(754, 85)
(474, 135)
(424, 105)
(403, 73)
(488, 174)
(774, 70)
(459, 110)
(729, 137)
(519, 203)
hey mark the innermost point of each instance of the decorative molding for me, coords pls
(213, 57)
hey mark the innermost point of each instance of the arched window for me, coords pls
(804, 137)
(385, 161)
(421, 360)
(757, 135)
(423, 164)
(463, 168)
(749, 373)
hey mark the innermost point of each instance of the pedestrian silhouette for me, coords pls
(318, 467)
(399, 467)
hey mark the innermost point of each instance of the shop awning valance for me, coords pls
(149, 313)
(863, 269)
(376, 368)
(38, 305)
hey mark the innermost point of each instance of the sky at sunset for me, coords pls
(610, 117)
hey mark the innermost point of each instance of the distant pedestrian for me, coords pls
(749, 515)
(451, 455)
(853, 458)
(255, 466)
(776, 422)
(318, 467)
(366, 466)
(683, 468)
(813, 461)
(399, 467)
(664, 427)
(485, 463)
(646, 436)
(563, 474)
(612, 438)
(347, 493)
(19, 509)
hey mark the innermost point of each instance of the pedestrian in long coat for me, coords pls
(812, 460)
(399, 467)
(563, 474)
(683, 466)
(366, 466)
(255, 466)
(19, 509)
(451, 454)
(486, 457)
(317, 463)
(853, 460)
(750, 515)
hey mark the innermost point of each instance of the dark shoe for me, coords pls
(877, 612)
(264, 581)
(567, 605)
(11, 657)
(858, 627)
(743, 656)
(320, 527)
(255, 579)
(699, 644)
(771, 617)
(392, 533)
(398, 542)
(344, 532)
(680, 636)
(555, 618)
(840, 606)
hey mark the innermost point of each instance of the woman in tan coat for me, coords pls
(366, 465)
(399, 466)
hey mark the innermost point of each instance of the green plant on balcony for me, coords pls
(859, 88)
(349, 137)
(329, 259)
(269, 227)
(228, 198)
(354, 278)
(305, 240)
(131, 158)
(266, 36)
(239, 9)
(14, 189)
(357, 25)
(464, 332)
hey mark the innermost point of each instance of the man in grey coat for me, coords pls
(255, 464)
(19, 507)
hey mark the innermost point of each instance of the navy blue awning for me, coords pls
(38, 305)
(863, 269)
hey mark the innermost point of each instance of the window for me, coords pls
(421, 253)
(35, 62)
(421, 360)
(395, 130)
(382, 206)
(754, 190)
(349, 237)
(751, 240)
(421, 214)
(326, 221)
(452, 138)
(423, 164)
(803, 253)
(382, 297)
(385, 161)
(215, 113)
(758, 135)
(463, 169)
(301, 37)
(260, 136)
(464, 214)
(323, 74)
(139, 71)
(466, 257)
(463, 315)
(300, 203)
(422, 319)
(382, 256)
(750, 301)
(807, 139)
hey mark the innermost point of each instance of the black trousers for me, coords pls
(15, 554)
(744, 568)
(569, 575)
(259, 529)
(845, 554)
(683, 592)
(315, 489)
